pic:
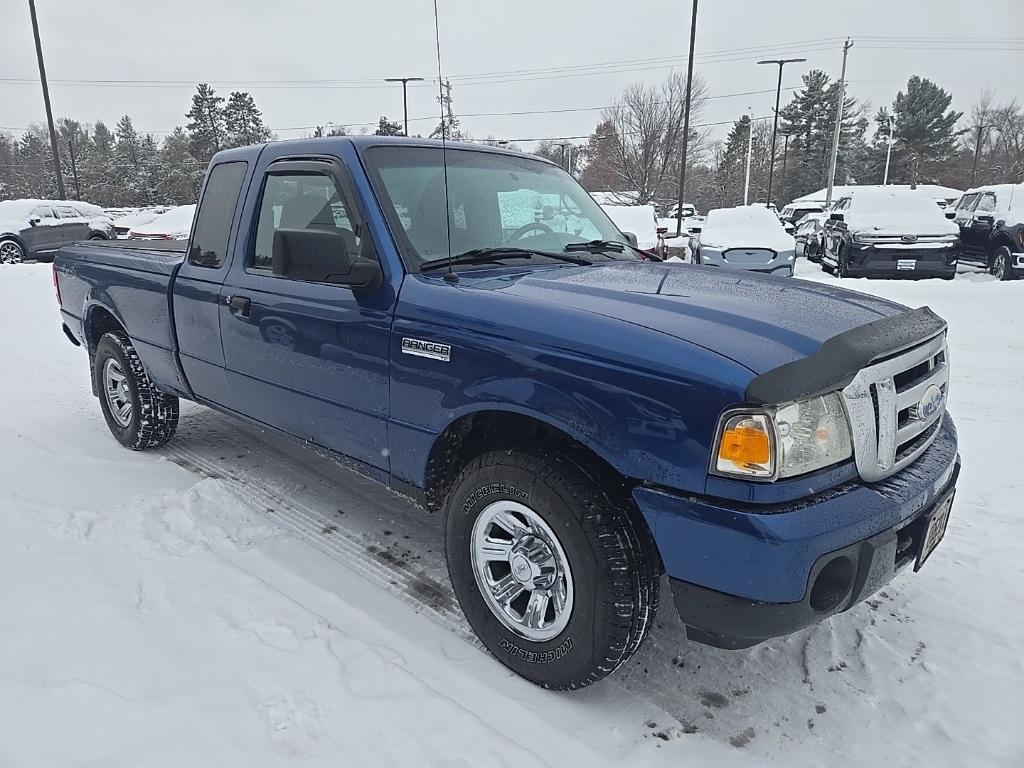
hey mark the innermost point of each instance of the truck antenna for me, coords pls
(450, 275)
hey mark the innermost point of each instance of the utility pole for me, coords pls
(686, 122)
(750, 152)
(888, 151)
(46, 100)
(838, 127)
(775, 126)
(405, 98)
(562, 145)
(74, 167)
(977, 152)
(785, 161)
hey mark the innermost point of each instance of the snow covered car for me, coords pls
(890, 232)
(35, 229)
(136, 217)
(748, 237)
(175, 224)
(796, 211)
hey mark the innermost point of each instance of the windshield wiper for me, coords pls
(497, 254)
(603, 246)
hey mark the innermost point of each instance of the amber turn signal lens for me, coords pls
(745, 445)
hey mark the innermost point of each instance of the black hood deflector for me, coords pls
(841, 357)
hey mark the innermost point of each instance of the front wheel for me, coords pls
(553, 567)
(138, 415)
(11, 251)
(1002, 264)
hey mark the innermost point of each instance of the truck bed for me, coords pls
(157, 256)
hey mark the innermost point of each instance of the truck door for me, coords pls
(980, 229)
(308, 358)
(42, 233)
(196, 292)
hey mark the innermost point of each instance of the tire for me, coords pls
(151, 418)
(1002, 264)
(611, 585)
(11, 251)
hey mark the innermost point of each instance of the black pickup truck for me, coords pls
(991, 221)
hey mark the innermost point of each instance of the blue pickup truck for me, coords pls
(467, 326)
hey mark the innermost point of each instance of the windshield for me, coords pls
(494, 201)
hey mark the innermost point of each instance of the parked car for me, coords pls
(795, 212)
(130, 219)
(35, 229)
(991, 222)
(175, 224)
(584, 421)
(889, 232)
(808, 234)
(748, 237)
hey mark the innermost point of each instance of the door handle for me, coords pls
(239, 305)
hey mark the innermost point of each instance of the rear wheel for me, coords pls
(1002, 264)
(138, 415)
(553, 567)
(11, 251)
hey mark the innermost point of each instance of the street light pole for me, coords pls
(785, 162)
(838, 126)
(686, 122)
(888, 151)
(46, 100)
(775, 126)
(750, 152)
(405, 98)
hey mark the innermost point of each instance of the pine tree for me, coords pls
(387, 128)
(243, 121)
(206, 127)
(809, 119)
(180, 174)
(925, 133)
(599, 173)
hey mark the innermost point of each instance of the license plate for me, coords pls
(906, 264)
(935, 529)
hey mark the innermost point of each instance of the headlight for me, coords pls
(783, 441)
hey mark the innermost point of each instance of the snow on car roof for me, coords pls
(899, 210)
(745, 226)
(1007, 195)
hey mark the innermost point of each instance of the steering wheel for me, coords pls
(536, 225)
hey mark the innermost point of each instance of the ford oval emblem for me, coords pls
(909, 238)
(929, 403)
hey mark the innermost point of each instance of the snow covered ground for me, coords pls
(234, 600)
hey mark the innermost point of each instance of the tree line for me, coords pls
(634, 150)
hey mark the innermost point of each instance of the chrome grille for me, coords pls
(890, 415)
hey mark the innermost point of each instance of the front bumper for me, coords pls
(897, 261)
(742, 573)
(1018, 260)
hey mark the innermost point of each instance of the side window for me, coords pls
(67, 212)
(42, 212)
(987, 203)
(301, 200)
(216, 212)
(966, 202)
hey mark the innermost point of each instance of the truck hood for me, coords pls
(757, 321)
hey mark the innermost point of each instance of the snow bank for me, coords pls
(745, 226)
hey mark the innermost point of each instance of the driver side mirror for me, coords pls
(631, 239)
(950, 215)
(33, 221)
(321, 256)
(835, 217)
(985, 218)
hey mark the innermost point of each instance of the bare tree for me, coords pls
(648, 122)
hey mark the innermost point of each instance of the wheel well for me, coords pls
(999, 241)
(484, 431)
(15, 238)
(101, 321)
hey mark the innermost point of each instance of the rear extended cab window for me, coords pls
(216, 213)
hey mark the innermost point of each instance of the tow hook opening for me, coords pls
(832, 584)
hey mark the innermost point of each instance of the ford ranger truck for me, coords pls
(596, 429)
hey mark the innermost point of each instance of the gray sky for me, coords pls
(229, 42)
